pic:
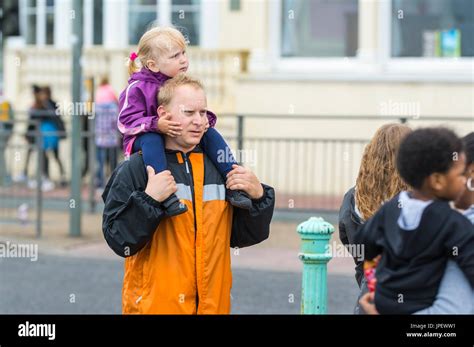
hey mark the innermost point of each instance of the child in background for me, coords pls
(417, 232)
(162, 55)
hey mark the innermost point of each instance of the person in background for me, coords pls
(41, 120)
(30, 135)
(6, 129)
(107, 137)
(58, 125)
(377, 182)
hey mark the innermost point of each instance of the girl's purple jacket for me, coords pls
(138, 104)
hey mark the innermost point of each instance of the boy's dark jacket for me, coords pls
(413, 261)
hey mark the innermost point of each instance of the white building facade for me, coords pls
(407, 58)
(115, 23)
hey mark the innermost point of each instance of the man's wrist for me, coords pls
(261, 196)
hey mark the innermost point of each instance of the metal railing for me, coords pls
(15, 150)
(312, 174)
(309, 174)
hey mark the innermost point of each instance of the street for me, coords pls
(68, 285)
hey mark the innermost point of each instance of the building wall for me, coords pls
(332, 174)
(371, 84)
(243, 29)
(352, 98)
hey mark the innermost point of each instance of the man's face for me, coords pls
(189, 107)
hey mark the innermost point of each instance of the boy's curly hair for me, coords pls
(426, 151)
(378, 179)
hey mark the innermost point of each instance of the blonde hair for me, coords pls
(378, 179)
(154, 43)
(166, 92)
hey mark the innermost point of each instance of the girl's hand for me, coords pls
(167, 127)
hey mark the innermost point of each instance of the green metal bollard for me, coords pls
(315, 234)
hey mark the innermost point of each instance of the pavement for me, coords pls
(68, 285)
(82, 274)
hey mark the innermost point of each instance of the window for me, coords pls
(185, 16)
(97, 38)
(50, 22)
(9, 19)
(30, 22)
(235, 5)
(429, 28)
(319, 28)
(142, 15)
(39, 21)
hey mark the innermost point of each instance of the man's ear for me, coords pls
(161, 111)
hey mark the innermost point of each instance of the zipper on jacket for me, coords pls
(191, 184)
(189, 171)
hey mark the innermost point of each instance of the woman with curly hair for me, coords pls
(378, 181)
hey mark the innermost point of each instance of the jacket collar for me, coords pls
(149, 76)
(174, 156)
(197, 149)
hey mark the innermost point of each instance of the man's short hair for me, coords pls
(167, 90)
